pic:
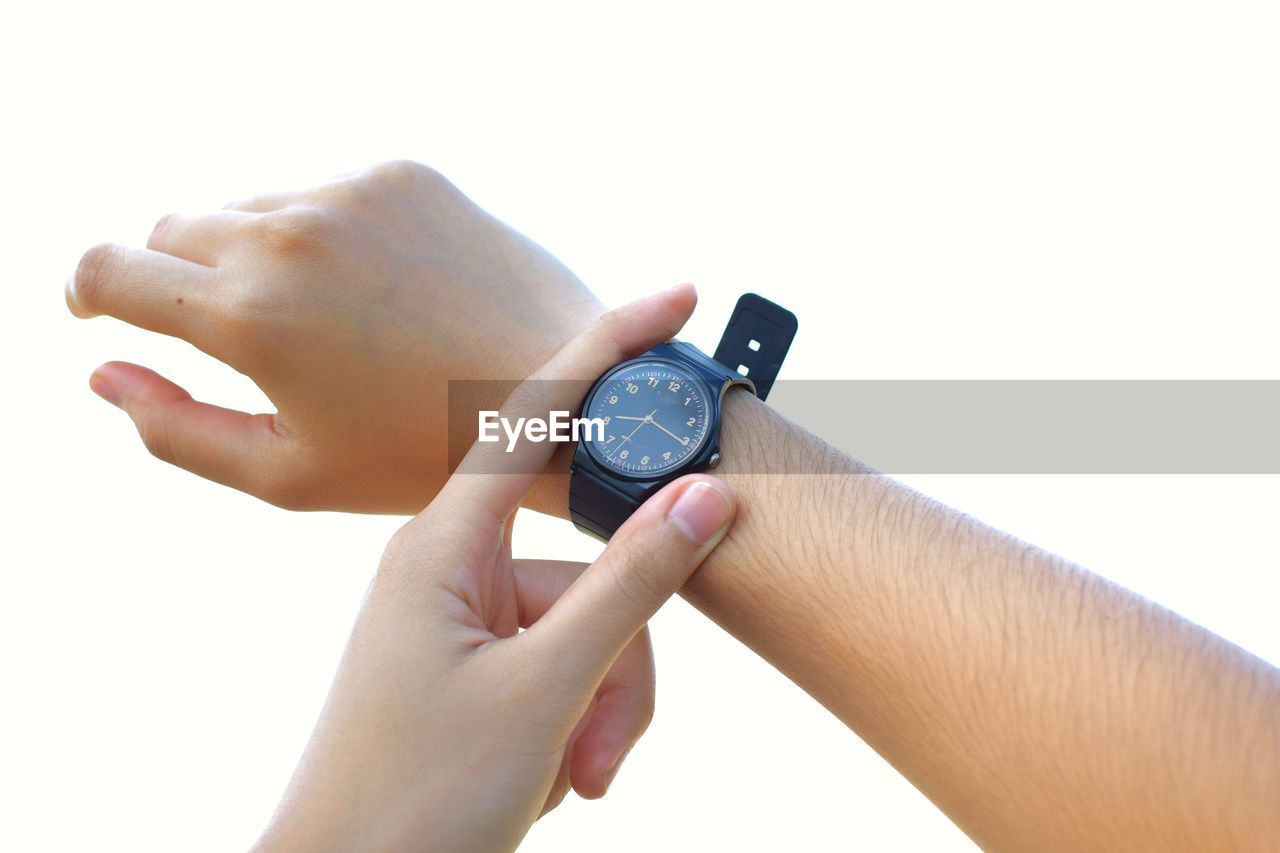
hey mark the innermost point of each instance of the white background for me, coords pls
(939, 190)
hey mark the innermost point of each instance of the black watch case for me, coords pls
(639, 488)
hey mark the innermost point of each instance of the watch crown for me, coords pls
(714, 460)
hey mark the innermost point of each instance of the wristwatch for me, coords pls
(661, 414)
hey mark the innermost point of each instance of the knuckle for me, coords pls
(616, 322)
(285, 495)
(94, 272)
(295, 233)
(404, 171)
(608, 318)
(614, 329)
(642, 698)
(163, 225)
(280, 489)
(284, 483)
(154, 431)
(624, 326)
(669, 320)
(244, 319)
(344, 195)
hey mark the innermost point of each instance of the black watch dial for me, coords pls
(655, 417)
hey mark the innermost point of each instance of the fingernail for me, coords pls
(701, 511)
(102, 386)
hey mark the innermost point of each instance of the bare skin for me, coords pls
(1036, 704)
(446, 728)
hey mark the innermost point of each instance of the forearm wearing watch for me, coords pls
(1038, 705)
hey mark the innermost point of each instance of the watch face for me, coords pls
(655, 418)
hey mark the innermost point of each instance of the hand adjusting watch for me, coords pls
(662, 411)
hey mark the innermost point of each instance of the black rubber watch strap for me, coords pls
(757, 338)
(596, 507)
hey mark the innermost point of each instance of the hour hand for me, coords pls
(626, 418)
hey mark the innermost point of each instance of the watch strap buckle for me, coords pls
(756, 340)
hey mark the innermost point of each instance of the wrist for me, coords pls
(550, 492)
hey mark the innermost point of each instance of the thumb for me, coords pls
(229, 447)
(646, 562)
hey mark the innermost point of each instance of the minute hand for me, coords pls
(669, 432)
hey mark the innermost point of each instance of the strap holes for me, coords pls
(743, 369)
(754, 346)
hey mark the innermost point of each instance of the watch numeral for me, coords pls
(624, 454)
(691, 421)
(653, 382)
(667, 456)
(674, 385)
(644, 460)
(613, 399)
(632, 388)
(686, 400)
